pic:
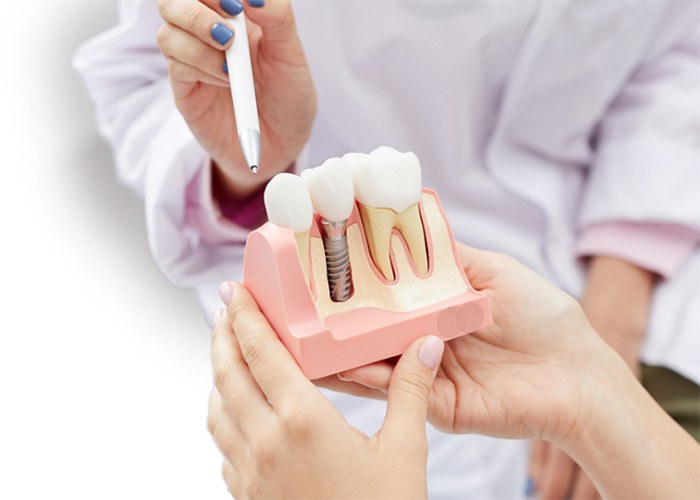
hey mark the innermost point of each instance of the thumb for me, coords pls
(410, 386)
(274, 17)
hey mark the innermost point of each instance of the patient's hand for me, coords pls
(521, 377)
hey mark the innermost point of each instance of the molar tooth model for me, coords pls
(375, 269)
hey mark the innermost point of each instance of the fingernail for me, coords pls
(221, 33)
(256, 3)
(529, 487)
(342, 378)
(232, 7)
(225, 67)
(226, 292)
(430, 352)
(218, 314)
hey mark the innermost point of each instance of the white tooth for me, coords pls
(333, 198)
(331, 190)
(387, 179)
(288, 204)
(388, 189)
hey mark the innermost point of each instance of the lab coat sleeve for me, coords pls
(646, 171)
(157, 156)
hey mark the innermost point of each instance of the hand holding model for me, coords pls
(539, 371)
(282, 438)
(194, 40)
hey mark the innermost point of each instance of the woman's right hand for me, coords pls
(194, 39)
(521, 377)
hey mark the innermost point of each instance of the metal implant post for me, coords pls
(335, 244)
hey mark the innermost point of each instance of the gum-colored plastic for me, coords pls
(274, 276)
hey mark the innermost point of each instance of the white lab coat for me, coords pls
(531, 131)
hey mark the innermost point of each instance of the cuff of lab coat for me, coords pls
(658, 247)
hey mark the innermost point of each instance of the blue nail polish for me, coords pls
(225, 67)
(256, 3)
(529, 487)
(233, 7)
(221, 33)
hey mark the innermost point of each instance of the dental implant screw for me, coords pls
(335, 244)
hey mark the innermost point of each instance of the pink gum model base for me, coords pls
(274, 276)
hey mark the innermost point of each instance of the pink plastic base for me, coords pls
(274, 276)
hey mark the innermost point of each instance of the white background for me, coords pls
(104, 366)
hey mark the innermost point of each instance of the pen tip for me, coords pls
(254, 169)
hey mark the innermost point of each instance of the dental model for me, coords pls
(388, 190)
(288, 204)
(374, 270)
(333, 198)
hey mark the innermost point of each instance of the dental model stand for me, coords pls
(406, 280)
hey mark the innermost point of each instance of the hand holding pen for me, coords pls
(195, 38)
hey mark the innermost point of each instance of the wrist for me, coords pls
(624, 441)
(602, 381)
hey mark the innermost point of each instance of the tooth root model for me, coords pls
(388, 189)
(288, 204)
(332, 195)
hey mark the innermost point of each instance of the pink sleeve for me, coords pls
(658, 247)
(212, 222)
(232, 222)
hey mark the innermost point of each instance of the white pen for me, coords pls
(243, 93)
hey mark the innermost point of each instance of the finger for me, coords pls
(584, 489)
(198, 19)
(482, 266)
(177, 44)
(232, 479)
(276, 19)
(375, 376)
(226, 434)
(271, 365)
(409, 389)
(245, 402)
(182, 74)
(557, 475)
(538, 455)
(334, 383)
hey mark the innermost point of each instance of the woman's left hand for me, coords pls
(282, 438)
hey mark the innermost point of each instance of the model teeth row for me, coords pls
(387, 186)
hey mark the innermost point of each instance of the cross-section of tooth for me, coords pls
(388, 188)
(288, 204)
(333, 198)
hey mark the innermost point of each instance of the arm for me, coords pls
(627, 444)
(171, 130)
(617, 301)
(541, 371)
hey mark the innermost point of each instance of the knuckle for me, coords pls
(200, 53)
(163, 37)
(192, 16)
(253, 350)
(176, 70)
(294, 421)
(212, 423)
(163, 6)
(415, 386)
(263, 452)
(221, 378)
